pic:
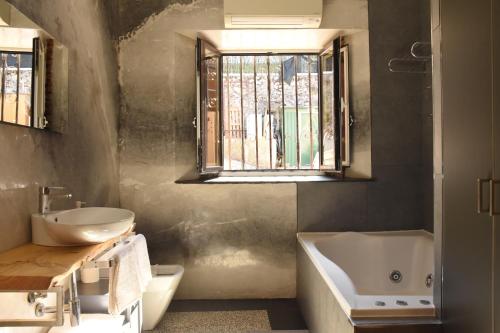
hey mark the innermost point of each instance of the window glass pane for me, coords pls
(249, 113)
(226, 87)
(308, 112)
(3, 70)
(10, 61)
(303, 116)
(305, 124)
(315, 111)
(290, 112)
(213, 115)
(328, 122)
(267, 118)
(277, 114)
(25, 84)
(263, 128)
(232, 114)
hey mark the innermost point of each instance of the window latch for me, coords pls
(194, 122)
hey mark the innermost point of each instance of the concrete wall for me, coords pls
(238, 241)
(400, 197)
(427, 117)
(235, 241)
(84, 159)
(360, 104)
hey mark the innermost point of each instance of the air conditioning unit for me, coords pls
(272, 14)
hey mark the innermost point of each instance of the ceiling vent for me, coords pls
(269, 14)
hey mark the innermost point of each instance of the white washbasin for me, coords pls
(81, 226)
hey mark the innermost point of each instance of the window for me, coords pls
(273, 111)
(33, 79)
(270, 111)
(16, 75)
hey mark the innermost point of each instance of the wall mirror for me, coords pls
(33, 74)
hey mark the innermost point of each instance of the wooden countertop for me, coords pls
(35, 267)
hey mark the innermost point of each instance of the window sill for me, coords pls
(24, 126)
(271, 180)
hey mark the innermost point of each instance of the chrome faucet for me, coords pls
(46, 197)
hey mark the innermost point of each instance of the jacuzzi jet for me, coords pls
(396, 276)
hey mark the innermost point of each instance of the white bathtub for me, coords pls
(356, 268)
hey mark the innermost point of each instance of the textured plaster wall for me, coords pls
(238, 241)
(85, 158)
(235, 241)
(427, 117)
(400, 196)
(359, 104)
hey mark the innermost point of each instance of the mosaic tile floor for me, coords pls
(233, 316)
(215, 322)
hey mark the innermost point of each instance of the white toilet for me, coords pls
(159, 293)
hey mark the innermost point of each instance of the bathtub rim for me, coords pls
(306, 240)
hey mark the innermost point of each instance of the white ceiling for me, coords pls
(16, 39)
(270, 40)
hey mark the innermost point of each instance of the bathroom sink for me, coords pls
(81, 226)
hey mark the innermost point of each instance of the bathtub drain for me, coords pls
(396, 276)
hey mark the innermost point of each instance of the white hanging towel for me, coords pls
(130, 275)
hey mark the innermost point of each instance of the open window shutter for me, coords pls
(331, 154)
(38, 83)
(209, 118)
(345, 111)
(34, 65)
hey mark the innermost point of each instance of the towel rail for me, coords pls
(104, 259)
(33, 303)
(416, 62)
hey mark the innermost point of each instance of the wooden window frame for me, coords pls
(202, 117)
(341, 160)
